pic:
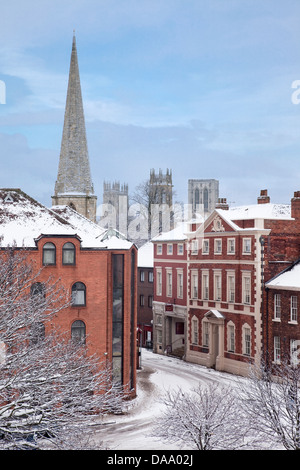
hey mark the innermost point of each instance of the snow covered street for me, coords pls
(158, 374)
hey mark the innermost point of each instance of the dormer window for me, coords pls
(49, 254)
(68, 253)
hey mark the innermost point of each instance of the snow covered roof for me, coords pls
(23, 220)
(145, 256)
(259, 211)
(288, 279)
(177, 234)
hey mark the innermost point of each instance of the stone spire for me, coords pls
(74, 184)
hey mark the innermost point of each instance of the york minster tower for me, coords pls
(74, 185)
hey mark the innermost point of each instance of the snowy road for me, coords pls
(132, 431)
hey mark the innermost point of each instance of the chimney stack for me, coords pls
(222, 204)
(263, 198)
(295, 205)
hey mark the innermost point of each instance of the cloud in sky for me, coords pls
(202, 87)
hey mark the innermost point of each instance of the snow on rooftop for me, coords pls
(22, 220)
(289, 279)
(145, 255)
(259, 211)
(177, 234)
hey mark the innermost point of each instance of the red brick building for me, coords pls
(145, 292)
(97, 269)
(282, 305)
(170, 292)
(227, 259)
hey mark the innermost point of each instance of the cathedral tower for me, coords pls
(74, 185)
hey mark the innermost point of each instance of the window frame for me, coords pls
(82, 289)
(68, 250)
(49, 247)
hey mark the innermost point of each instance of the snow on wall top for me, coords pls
(145, 255)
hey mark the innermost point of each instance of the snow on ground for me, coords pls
(158, 373)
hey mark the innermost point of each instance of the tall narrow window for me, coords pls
(294, 308)
(205, 291)
(277, 306)
(118, 317)
(276, 349)
(68, 253)
(205, 334)
(169, 283)
(180, 284)
(231, 338)
(247, 341)
(194, 289)
(49, 254)
(158, 282)
(195, 335)
(78, 331)
(246, 290)
(78, 294)
(231, 288)
(218, 289)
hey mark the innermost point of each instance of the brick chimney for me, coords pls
(263, 198)
(295, 205)
(222, 204)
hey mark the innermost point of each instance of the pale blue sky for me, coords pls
(202, 87)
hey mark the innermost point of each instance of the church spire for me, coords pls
(74, 184)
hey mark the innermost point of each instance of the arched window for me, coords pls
(78, 294)
(37, 332)
(68, 253)
(49, 254)
(78, 331)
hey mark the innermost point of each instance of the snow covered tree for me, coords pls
(207, 418)
(50, 389)
(270, 398)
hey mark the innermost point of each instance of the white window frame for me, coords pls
(231, 287)
(180, 249)
(205, 246)
(194, 284)
(246, 340)
(231, 246)
(218, 286)
(195, 330)
(277, 352)
(169, 282)
(246, 289)
(218, 246)
(294, 355)
(158, 281)
(294, 309)
(205, 334)
(277, 307)
(170, 249)
(205, 285)
(246, 246)
(180, 283)
(194, 247)
(159, 249)
(231, 337)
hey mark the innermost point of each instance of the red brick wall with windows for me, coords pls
(93, 268)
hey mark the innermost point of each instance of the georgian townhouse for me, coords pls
(229, 258)
(96, 267)
(170, 292)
